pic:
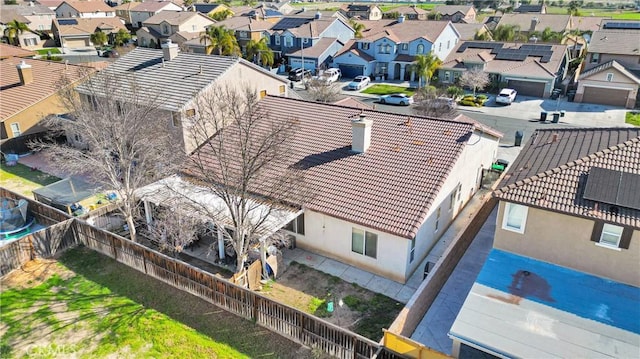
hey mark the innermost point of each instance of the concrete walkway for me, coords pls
(400, 292)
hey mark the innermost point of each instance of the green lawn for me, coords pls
(632, 118)
(45, 51)
(22, 179)
(613, 13)
(94, 307)
(382, 89)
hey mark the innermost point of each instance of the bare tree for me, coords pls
(121, 139)
(175, 228)
(245, 163)
(429, 102)
(323, 91)
(476, 79)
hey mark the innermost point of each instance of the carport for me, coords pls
(605, 96)
(527, 88)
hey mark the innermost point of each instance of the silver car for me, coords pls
(396, 99)
(359, 82)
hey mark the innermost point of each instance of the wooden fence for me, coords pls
(43, 214)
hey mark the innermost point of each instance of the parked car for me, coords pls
(298, 74)
(329, 76)
(506, 96)
(397, 99)
(359, 82)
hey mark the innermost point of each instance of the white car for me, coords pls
(396, 99)
(506, 96)
(329, 76)
(359, 82)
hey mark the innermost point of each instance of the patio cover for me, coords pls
(174, 192)
(523, 308)
(65, 192)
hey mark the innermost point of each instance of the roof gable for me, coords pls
(613, 64)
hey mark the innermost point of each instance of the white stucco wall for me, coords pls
(445, 42)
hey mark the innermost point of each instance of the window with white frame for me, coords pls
(288, 41)
(412, 254)
(277, 39)
(15, 129)
(305, 40)
(611, 235)
(595, 58)
(404, 46)
(453, 198)
(515, 217)
(440, 47)
(297, 225)
(364, 242)
(365, 45)
(420, 49)
(437, 219)
(194, 28)
(447, 76)
(610, 76)
(165, 29)
(448, 44)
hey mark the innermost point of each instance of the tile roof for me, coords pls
(127, 6)
(245, 23)
(530, 66)
(619, 42)
(403, 31)
(407, 10)
(468, 31)
(89, 6)
(607, 65)
(173, 17)
(352, 102)
(556, 22)
(6, 16)
(317, 49)
(586, 23)
(530, 8)
(204, 7)
(28, 10)
(179, 78)
(7, 50)
(352, 47)
(550, 171)
(392, 185)
(46, 82)
(152, 6)
(452, 9)
(87, 26)
(50, 3)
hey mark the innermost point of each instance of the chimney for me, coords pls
(400, 19)
(534, 23)
(318, 15)
(25, 73)
(170, 50)
(361, 133)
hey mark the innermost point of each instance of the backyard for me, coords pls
(24, 179)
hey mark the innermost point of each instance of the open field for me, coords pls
(88, 305)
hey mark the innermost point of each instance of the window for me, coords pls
(385, 49)
(404, 47)
(610, 77)
(263, 94)
(413, 249)
(15, 128)
(288, 41)
(363, 242)
(595, 58)
(453, 198)
(193, 28)
(420, 49)
(282, 89)
(365, 45)
(190, 112)
(305, 40)
(440, 47)
(437, 219)
(448, 44)
(515, 217)
(297, 225)
(447, 76)
(165, 29)
(277, 39)
(175, 119)
(611, 235)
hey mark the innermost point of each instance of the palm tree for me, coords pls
(221, 15)
(506, 32)
(425, 66)
(99, 38)
(358, 28)
(13, 30)
(260, 50)
(221, 39)
(549, 35)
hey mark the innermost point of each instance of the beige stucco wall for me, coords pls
(566, 241)
(620, 81)
(34, 114)
(40, 22)
(200, 22)
(628, 61)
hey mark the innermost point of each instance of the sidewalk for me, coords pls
(400, 292)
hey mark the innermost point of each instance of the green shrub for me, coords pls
(481, 97)
(468, 98)
(465, 102)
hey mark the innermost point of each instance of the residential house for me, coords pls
(26, 39)
(51, 4)
(123, 11)
(411, 12)
(37, 17)
(245, 29)
(84, 9)
(284, 7)
(384, 186)
(176, 79)
(471, 31)
(210, 9)
(531, 69)
(178, 26)
(262, 12)
(30, 93)
(587, 24)
(611, 69)
(456, 13)
(361, 11)
(388, 47)
(303, 33)
(491, 22)
(8, 51)
(564, 275)
(531, 9)
(147, 9)
(531, 24)
(76, 33)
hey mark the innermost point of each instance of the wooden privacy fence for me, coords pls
(289, 322)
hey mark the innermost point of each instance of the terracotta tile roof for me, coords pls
(531, 66)
(88, 26)
(317, 49)
(7, 50)
(619, 42)
(173, 17)
(402, 31)
(557, 23)
(89, 6)
(392, 185)
(352, 102)
(46, 76)
(550, 171)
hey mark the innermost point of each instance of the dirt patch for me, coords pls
(34, 273)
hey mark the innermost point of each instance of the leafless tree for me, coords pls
(246, 163)
(120, 139)
(429, 102)
(323, 91)
(175, 228)
(476, 79)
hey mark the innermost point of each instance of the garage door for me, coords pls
(614, 97)
(351, 71)
(527, 88)
(76, 43)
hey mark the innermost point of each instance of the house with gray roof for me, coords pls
(175, 80)
(456, 13)
(166, 24)
(531, 69)
(411, 12)
(529, 24)
(361, 11)
(563, 278)
(384, 186)
(141, 12)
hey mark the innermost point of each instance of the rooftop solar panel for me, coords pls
(622, 25)
(290, 22)
(613, 187)
(68, 22)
